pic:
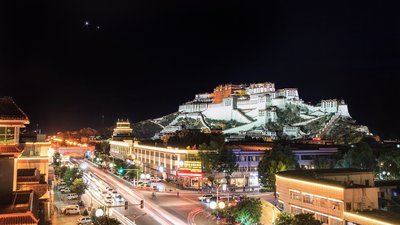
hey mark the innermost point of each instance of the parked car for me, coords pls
(65, 190)
(71, 210)
(61, 187)
(205, 198)
(85, 220)
(71, 196)
(108, 200)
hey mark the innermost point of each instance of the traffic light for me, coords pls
(126, 204)
(141, 204)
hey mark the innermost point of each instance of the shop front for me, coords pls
(190, 175)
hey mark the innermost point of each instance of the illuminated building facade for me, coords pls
(333, 196)
(16, 206)
(173, 163)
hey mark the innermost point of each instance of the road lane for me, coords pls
(160, 215)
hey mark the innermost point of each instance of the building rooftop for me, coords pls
(381, 183)
(314, 176)
(21, 199)
(9, 150)
(19, 208)
(10, 111)
(384, 216)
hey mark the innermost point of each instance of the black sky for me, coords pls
(149, 56)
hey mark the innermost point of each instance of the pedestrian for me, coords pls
(177, 194)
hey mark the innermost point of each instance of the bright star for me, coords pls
(86, 23)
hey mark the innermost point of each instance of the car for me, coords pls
(204, 198)
(114, 193)
(212, 199)
(104, 192)
(71, 196)
(119, 198)
(85, 220)
(65, 190)
(155, 179)
(109, 188)
(71, 210)
(61, 187)
(108, 200)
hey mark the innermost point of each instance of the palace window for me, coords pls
(7, 135)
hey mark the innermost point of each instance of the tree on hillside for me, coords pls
(78, 187)
(360, 156)
(280, 158)
(248, 211)
(299, 219)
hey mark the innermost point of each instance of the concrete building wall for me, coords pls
(324, 197)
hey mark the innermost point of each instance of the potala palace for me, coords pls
(259, 110)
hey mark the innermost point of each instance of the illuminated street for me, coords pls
(167, 208)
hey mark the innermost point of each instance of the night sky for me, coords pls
(149, 56)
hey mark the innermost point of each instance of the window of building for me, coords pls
(322, 218)
(308, 198)
(335, 205)
(366, 182)
(7, 135)
(295, 210)
(242, 158)
(336, 222)
(348, 206)
(295, 195)
(281, 205)
(320, 201)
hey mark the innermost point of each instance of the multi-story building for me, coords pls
(172, 163)
(334, 196)
(309, 158)
(246, 176)
(16, 206)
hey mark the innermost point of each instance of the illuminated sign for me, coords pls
(193, 166)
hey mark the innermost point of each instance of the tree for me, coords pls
(78, 187)
(226, 163)
(299, 219)
(103, 148)
(280, 158)
(60, 171)
(221, 161)
(57, 159)
(360, 156)
(70, 175)
(105, 220)
(388, 166)
(284, 218)
(248, 211)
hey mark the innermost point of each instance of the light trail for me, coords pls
(133, 196)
